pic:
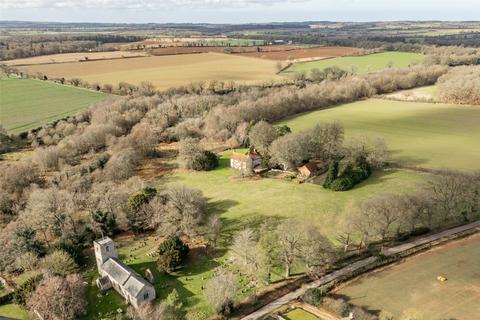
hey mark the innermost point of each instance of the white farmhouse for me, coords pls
(121, 277)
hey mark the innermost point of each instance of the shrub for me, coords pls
(331, 174)
(420, 231)
(342, 184)
(351, 176)
(22, 293)
(140, 198)
(27, 261)
(172, 252)
(73, 250)
(313, 296)
(192, 156)
(59, 263)
(205, 161)
(104, 222)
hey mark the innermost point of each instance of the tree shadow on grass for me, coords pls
(165, 283)
(351, 300)
(406, 160)
(220, 206)
(377, 177)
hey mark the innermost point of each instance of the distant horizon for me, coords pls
(236, 11)
(232, 23)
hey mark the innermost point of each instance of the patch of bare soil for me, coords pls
(160, 165)
(236, 50)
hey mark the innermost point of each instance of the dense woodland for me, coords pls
(24, 46)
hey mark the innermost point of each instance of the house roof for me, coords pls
(128, 279)
(117, 270)
(309, 167)
(135, 284)
(244, 156)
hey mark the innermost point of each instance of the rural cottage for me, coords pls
(245, 161)
(118, 275)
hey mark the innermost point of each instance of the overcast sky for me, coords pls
(236, 11)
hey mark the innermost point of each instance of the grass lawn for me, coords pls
(165, 71)
(413, 284)
(27, 104)
(423, 134)
(247, 202)
(12, 311)
(361, 64)
(299, 314)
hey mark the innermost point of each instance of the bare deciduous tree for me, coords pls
(58, 298)
(261, 135)
(221, 291)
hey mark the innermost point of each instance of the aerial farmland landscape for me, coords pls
(271, 160)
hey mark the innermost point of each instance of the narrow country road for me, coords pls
(272, 306)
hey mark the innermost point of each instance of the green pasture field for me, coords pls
(360, 64)
(27, 104)
(13, 311)
(427, 135)
(413, 285)
(243, 202)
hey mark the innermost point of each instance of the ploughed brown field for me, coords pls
(218, 49)
(74, 57)
(304, 53)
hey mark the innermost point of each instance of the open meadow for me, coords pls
(165, 71)
(413, 285)
(40, 102)
(247, 202)
(360, 64)
(421, 134)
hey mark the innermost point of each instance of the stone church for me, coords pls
(121, 277)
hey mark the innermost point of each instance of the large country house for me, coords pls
(121, 277)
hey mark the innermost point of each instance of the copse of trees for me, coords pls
(23, 46)
(446, 198)
(451, 55)
(460, 85)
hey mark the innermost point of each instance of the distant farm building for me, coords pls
(121, 277)
(245, 161)
(313, 168)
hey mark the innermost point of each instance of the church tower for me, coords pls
(104, 249)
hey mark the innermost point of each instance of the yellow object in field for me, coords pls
(441, 278)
